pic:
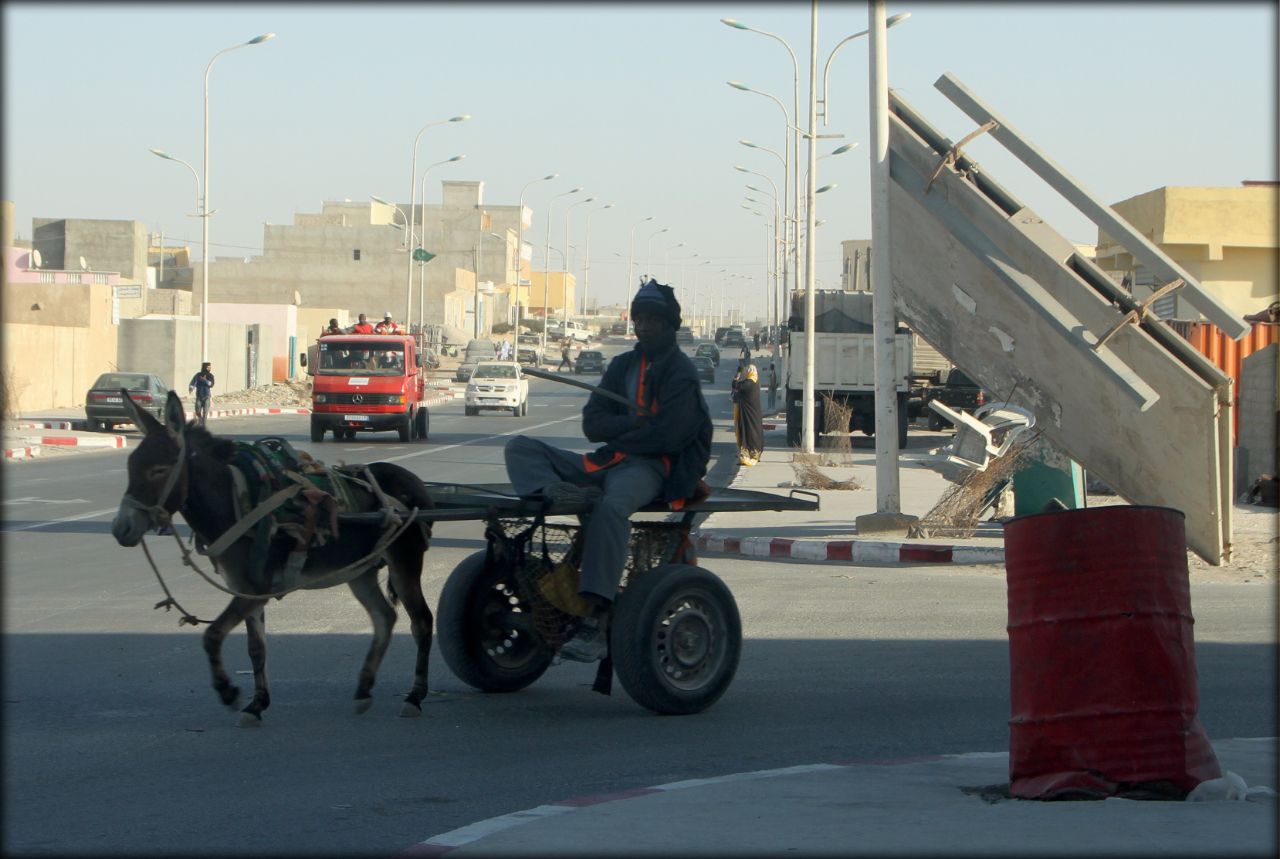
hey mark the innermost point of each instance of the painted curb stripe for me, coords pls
(849, 551)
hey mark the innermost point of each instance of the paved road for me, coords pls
(108, 711)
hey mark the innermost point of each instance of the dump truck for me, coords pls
(844, 364)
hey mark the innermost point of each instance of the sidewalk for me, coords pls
(830, 533)
(917, 807)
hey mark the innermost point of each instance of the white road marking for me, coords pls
(35, 525)
(516, 431)
(31, 499)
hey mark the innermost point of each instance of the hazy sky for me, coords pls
(628, 101)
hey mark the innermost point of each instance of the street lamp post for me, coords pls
(648, 250)
(630, 262)
(586, 256)
(204, 217)
(789, 226)
(546, 270)
(520, 242)
(810, 247)
(413, 184)
(422, 264)
(564, 280)
(666, 262)
(826, 70)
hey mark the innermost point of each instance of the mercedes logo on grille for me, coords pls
(357, 398)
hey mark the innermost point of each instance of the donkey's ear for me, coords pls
(141, 418)
(174, 417)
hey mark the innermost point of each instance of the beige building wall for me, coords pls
(1226, 238)
(557, 287)
(52, 358)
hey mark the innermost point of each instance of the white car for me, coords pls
(575, 331)
(497, 385)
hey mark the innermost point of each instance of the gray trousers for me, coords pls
(627, 486)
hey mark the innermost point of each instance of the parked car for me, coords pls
(589, 361)
(104, 404)
(732, 339)
(570, 329)
(708, 350)
(959, 392)
(497, 385)
(706, 369)
(618, 328)
(477, 351)
(684, 336)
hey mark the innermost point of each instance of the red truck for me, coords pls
(366, 383)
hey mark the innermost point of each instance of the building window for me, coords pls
(355, 255)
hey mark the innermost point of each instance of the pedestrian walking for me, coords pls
(564, 356)
(201, 385)
(748, 422)
(773, 388)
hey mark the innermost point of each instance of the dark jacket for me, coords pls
(203, 384)
(680, 426)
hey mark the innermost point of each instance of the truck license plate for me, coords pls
(355, 417)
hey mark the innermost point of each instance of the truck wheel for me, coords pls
(936, 421)
(317, 431)
(486, 629)
(422, 423)
(470, 411)
(675, 639)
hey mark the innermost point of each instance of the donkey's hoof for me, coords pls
(363, 704)
(230, 697)
(250, 720)
(410, 710)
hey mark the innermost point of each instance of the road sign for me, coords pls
(422, 255)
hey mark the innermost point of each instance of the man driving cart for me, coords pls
(658, 448)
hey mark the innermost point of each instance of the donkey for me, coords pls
(202, 491)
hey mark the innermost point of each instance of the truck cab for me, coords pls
(367, 383)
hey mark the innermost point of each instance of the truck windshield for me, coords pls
(361, 359)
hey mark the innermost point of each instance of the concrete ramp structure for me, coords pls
(1011, 302)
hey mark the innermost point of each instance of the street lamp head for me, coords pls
(162, 154)
(607, 206)
(739, 85)
(574, 191)
(550, 176)
(840, 150)
(741, 169)
(258, 40)
(825, 188)
(462, 117)
(375, 198)
(896, 19)
(455, 158)
(735, 24)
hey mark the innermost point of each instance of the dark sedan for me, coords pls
(706, 369)
(708, 350)
(589, 361)
(104, 406)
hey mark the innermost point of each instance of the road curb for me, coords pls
(850, 551)
(21, 452)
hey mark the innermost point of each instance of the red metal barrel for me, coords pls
(1102, 658)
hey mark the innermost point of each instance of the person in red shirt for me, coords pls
(363, 326)
(387, 325)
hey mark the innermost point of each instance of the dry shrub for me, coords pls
(808, 476)
(836, 416)
(957, 512)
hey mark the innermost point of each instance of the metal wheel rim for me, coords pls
(507, 648)
(688, 638)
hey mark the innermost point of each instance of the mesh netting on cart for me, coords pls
(546, 559)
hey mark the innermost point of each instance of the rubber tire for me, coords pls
(638, 642)
(317, 431)
(460, 615)
(108, 426)
(471, 411)
(422, 423)
(524, 409)
(405, 429)
(93, 425)
(515, 411)
(936, 421)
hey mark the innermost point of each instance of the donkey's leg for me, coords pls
(217, 632)
(365, 588)
(255, 624)
(405, 562)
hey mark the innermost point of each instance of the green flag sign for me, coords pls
(422, 255)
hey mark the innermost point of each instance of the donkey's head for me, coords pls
(158, 480)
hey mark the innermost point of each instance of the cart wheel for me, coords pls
(486, 629)
(676, 637)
